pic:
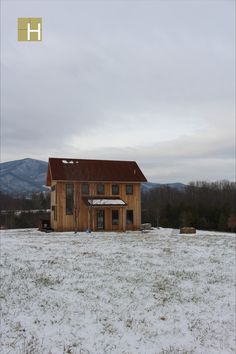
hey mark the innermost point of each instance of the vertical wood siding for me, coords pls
(84, 217)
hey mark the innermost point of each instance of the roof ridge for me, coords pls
(79, 159)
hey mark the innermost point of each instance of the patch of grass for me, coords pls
(166, 290)
(44, 280)
(26, 344)
(162, 285)
(32, 345)
(172, 350)
(18, 327)
(109, 328)
(167, 250)
(214, 278)
(80, 291)
(201, 330)
(52, 261)
(194, 299)
(215, 260)
(89, 254)
(184, 275)
(129, 322)
(68, 349)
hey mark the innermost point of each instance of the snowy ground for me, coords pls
(133, 292)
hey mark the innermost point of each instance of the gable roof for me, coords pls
(64, 169)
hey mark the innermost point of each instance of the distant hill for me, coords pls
(27, 176)
(147, 186)
(23, 177)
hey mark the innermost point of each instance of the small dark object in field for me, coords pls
(44, 225)
(163, 318)
(145, 227)
(187, 230)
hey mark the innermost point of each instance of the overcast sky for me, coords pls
(151, 81)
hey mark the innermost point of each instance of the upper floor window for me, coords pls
(69, 199)
(129, 189)
(115, 189)
(85, 188)
(100, 188)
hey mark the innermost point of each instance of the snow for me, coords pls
(157, 292)
(70, 162)
(106, 201)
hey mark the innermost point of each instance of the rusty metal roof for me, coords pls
(66, 169)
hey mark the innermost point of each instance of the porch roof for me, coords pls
(98, 201)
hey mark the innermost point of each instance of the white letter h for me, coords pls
(30, 30)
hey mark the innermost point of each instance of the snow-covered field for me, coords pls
(156, 292)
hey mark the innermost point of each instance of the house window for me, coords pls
(129, 217)
(69, 199)
(115, 217)
(85, 188)
(100, 188)
(100, 219)
(129, 189)
(115, 189)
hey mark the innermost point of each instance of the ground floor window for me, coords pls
(129, 217)
(115, 217)
(100, 219)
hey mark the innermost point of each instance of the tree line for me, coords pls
(22, 212)
(203, 205)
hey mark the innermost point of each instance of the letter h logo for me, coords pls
(29, 29)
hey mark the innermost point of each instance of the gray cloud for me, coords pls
(148, 81)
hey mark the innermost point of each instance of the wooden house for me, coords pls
(94, 194)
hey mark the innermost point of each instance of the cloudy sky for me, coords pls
(151, 81)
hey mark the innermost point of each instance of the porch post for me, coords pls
(93, 221)
(88, 219)
(123, 218)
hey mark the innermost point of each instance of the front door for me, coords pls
(100, 219)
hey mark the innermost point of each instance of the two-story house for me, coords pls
(94, 194)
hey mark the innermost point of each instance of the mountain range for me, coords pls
(23, 177)
(27, 176)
